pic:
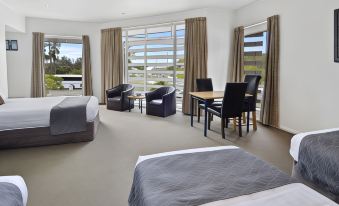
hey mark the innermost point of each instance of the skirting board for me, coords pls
(34, 137)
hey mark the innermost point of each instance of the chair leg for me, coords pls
(254, 119)
(227, 121)
(209, 121)
(240, 129)
(248, 122)
(244, 118)
(223, 128)
(199, 112)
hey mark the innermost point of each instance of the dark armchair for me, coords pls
(117, 97)
(161, 102)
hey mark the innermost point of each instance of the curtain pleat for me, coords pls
(270, 103)
(111, 60)
(86, 67)
(196, 54)
(38, 69)
(238, 55)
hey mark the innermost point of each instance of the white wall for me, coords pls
(219, 31)
(8, 19)
(20, 62)
(309, 77)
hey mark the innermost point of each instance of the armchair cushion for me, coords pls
(156, 101)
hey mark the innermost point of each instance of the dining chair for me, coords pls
(250, 102)
(204, 85)
(232, 106)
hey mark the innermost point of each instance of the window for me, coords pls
(255, 59)
(154, 57)
(63, 73)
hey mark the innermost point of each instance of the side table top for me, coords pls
(136, 97)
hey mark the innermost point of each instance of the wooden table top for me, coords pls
(211, 95)
(136, 97)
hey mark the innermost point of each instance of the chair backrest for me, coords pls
(252, 88)
(165, 90)
(204, 85)
(233, 101)
(125, 87)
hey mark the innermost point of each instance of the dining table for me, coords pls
(205, 97)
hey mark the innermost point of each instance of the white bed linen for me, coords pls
(289, 195)
(20, 183)
(22, 113)
(296, 141)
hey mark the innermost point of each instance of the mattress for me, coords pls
(23, 113)
(20, 183)
(293, 194)
(296, 141)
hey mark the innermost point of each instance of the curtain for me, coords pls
(238, 55)
(195, 57)
(111, 60)
(270, 103)
(86, 67)
(38, 69)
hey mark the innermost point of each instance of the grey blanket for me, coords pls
(318, 160)
(199, 178)
(69, 116)
(10, 195)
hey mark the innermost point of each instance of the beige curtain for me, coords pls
(238, 55)
(38, 69)
(86, 67)
(195, 57)
(270, 103)
(111, 60)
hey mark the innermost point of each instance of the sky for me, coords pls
(72, 51)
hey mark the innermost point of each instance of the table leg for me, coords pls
(205, 124)
(191, 110)
(129, 105)
(140, 105)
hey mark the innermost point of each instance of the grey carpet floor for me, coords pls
(100, 172)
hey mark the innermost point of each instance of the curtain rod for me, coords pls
(150, 25)
(256, 24)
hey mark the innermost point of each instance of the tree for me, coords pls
(52, 82)
(52, 55)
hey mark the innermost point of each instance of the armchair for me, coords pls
(161, 102)
(117, 97)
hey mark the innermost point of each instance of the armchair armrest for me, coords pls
(115, 91)
(126, 93)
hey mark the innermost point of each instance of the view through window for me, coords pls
(63, 74)
(255, 59)
(154, 57)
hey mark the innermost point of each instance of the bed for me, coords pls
(27, 122)
(316, 160)
(216, 176)
(13, 191)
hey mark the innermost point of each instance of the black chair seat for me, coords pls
(156, 102)
(215, 110)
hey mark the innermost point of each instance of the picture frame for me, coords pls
(336, 36)
(8, 45)
(14, 45)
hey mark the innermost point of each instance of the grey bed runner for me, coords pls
(318, 160)
(69, 116)
(199, 178)
(10, 195)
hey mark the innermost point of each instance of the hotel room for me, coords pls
(169, 103)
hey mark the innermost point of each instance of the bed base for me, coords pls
(35, 137)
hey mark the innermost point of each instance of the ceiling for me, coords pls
(104, 10)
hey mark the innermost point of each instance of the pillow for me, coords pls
(2, 100)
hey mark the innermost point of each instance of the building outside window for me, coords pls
(63, 70)
(154, 57)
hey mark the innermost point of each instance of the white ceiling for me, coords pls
(104, 10)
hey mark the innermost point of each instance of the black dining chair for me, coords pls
(205, 85)
(232, 106)
(250, 102)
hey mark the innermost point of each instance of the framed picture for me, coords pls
(14, 45)
(336, 35)
(8, 46)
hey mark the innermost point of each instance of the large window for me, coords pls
(63, 59)
(255, 59)
(154, 57)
